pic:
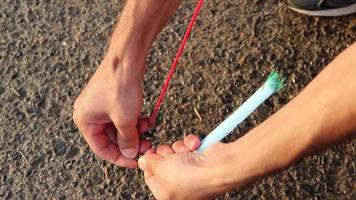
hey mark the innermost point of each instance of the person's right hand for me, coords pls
(108, 111)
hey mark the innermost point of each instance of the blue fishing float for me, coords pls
(273, 84)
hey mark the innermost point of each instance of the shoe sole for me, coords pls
(328, 13)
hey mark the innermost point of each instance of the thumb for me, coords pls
(127, 139)
(149, 163)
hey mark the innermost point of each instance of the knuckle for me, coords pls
(77, 103)
(163, 147)
(128, 140)
(125, 123)
(77, 113)
(175, 146)
(192, 159)
(76, 117)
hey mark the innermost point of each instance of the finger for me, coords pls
(149, 163)
(179, 146)
(127, 139)
(111, 132)
(105, 149)
(99, 141)
(145, 145)
(151, 121)
(150, 151)
(126, 162)
(143, 125)
(192, 142)
(164, 150)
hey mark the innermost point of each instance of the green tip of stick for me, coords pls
(276, 81)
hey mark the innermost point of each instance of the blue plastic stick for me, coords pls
(273, 84)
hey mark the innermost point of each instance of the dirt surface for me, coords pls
(49, 50)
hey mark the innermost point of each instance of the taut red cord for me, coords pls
(175, 62)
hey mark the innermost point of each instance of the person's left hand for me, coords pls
(176, 172)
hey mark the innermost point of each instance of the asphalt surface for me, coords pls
(49, 50)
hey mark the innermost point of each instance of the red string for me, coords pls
(175, 62)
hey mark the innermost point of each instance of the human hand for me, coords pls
(110, 105)
(176, 172)
(108, 111)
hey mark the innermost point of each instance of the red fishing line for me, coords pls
(175, 62)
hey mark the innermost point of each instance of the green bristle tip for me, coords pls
(276, 81)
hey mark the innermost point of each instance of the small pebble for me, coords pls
(60, 148)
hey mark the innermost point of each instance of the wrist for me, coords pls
(214, 171)
(127, 71)
(268, 148)
(128, 52)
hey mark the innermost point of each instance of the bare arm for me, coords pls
(139, 24)
(324, 113)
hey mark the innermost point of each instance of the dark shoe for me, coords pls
(326, 8)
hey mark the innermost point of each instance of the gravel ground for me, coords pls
(49, 50)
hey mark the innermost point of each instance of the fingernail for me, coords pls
(193, 145)
(142, 163)
(129, 153)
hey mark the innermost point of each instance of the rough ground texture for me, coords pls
(49, 50)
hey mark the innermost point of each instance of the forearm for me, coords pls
(138, 25)
(323, 114)
(329, 104)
